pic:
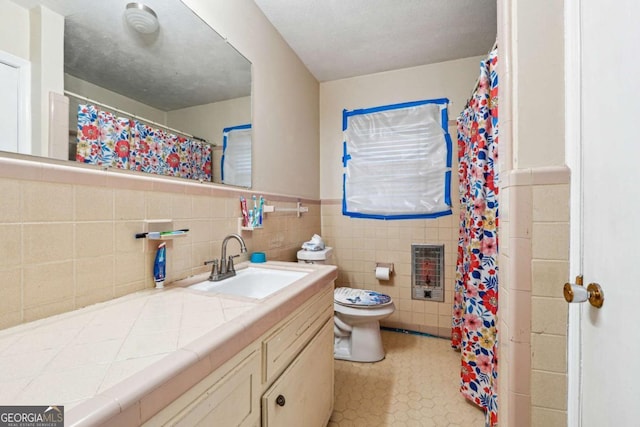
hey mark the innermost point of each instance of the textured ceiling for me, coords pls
(184, 63)
(344, 38)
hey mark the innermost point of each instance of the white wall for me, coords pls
(453, 80)
(47, 67)
(112, 99)
(285, 99)
(207, 121)
(14, 25)
(538, 84)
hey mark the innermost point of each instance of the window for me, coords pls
(235, 166)
(397, 161)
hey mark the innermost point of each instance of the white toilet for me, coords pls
(357, 315)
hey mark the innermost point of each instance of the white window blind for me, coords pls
(397, 161)
(235, 168)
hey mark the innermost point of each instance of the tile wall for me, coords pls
(360, 243)
(68, 234)
(549, 310)
(533, 323)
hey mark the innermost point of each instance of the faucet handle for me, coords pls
(230, 266)
(215, 269)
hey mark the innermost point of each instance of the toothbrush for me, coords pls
(245, 214)
(157, 234)
(255, 211)
(260, 211)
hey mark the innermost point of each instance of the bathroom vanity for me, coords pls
(284, 378)
(181, 356)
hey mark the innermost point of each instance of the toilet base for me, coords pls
(363, 344)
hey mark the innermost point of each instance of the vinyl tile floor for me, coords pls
(417, 384)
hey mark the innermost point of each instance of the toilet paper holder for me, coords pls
(388, 265)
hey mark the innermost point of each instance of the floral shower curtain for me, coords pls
(107, 140)
(103, 139)
(474, 329)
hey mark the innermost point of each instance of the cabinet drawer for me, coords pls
(303, 395)
(281, 347)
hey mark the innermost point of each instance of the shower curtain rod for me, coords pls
(93, 101)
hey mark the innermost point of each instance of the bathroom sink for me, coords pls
(252, 282)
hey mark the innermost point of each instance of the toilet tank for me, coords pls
(315, 257)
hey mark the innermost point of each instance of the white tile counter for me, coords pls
(108, 358)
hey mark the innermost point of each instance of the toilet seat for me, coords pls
(360, 298)
(363, 313)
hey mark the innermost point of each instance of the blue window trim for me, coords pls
(225, 131)
(346, 157)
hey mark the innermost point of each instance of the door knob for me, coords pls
(577, 293)
(280, 400)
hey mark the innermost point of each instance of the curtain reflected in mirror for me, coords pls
(106, 140)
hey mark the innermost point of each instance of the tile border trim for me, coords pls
(14, 166)
(552, 175)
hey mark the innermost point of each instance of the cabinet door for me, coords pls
(303, 394)
(230, 401)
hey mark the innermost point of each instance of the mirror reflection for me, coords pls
(145, 87)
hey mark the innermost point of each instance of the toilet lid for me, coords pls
(360, 297)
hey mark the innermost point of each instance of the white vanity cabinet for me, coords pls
(282, 379)
(284, 342)
(298, 367)
(227, 397)
(303, 394)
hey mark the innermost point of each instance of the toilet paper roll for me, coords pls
(383, 273)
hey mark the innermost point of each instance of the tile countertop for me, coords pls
(129, 357)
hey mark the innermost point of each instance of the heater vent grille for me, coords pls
(427, 274)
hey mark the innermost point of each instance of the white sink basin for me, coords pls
(252, 282)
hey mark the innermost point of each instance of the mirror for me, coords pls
(178, 82)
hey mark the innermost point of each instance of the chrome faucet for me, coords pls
(224, 268)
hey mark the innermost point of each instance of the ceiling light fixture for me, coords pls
(142, 18)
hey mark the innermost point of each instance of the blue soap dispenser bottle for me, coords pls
(160, 265)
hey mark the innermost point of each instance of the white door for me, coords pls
(15, 110)
(606, 390)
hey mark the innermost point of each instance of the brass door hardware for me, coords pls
(577, 293)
